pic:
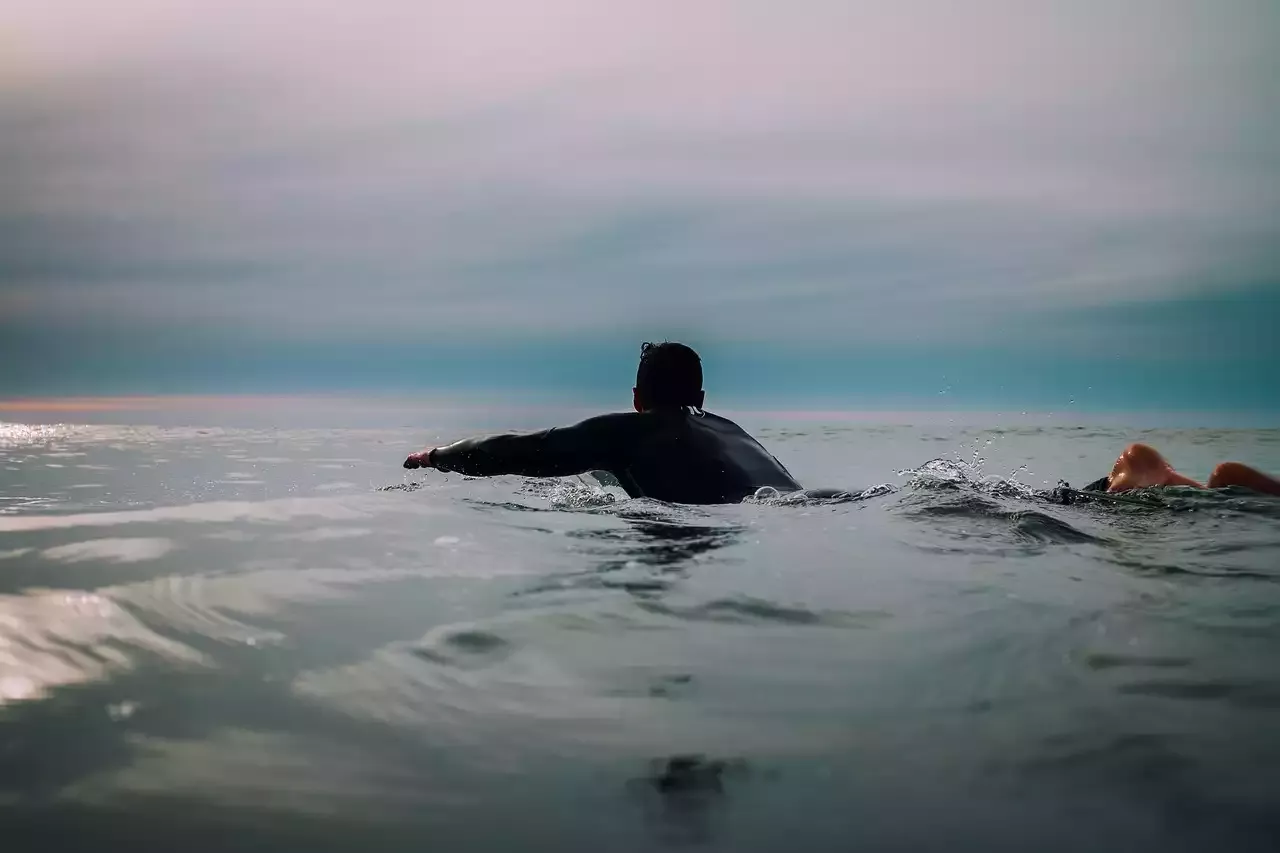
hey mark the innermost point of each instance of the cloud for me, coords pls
(741, 172)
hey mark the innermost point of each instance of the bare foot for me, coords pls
(1141, 466)
(1235, 474)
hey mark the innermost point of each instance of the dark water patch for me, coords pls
(650, 586)
(644, 557)
(947, 502)
(744, 610)
(1211, 548)
(646, 535)
(566, 582)
(1229, 500)
(1104, 661)
(1033, 525)
(1245, 500)
(667, 686)
(684, 797)
(653, 685)
(1151, 567)
(475, 641)
(629, 576)
(1265, 612)
(1242, 693)
(685, 774)
(463, 647)
(608, 576)
(1042, 527)
(1130, 758)
(608, 534)
(1170, 777)
(976, 522)
(657, 543)
(592, 621)
(506, 506)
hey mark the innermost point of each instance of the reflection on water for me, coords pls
(684, 795)
(55, 638)
(645, 557)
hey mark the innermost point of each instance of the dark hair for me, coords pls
(670, 374)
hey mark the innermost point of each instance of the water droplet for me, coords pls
(121, 710)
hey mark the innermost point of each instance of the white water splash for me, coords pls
(968, 472)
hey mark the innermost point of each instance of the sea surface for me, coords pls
(234, 625)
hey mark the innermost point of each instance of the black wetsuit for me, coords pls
(676, 455)
(1064, 494)
(1099, 485)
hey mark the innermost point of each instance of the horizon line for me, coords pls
(105, 403)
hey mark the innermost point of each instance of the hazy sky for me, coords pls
(1018, 202)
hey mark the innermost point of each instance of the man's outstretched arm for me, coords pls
(594, 444)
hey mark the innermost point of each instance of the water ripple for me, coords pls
(743, 610)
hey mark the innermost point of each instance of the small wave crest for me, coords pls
(769, 496)
(952, 473)
(407, 486)
(745, 610)
(1042, 527)
(950, 492)
(1030, 527)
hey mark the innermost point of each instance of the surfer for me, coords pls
(1141, 466)
(669, 448)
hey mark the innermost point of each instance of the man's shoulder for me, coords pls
(611, 422)
(613, 418)
(721, 421)
(653, 419)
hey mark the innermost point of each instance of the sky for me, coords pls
(989, 203)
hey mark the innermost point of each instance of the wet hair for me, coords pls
(670, 374)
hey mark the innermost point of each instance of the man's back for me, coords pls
(696, 457)
(672, 454)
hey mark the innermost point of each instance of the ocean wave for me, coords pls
(1042, 527)
(746, 610)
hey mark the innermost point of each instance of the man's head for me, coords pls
(670, 374)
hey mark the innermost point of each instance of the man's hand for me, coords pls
(419, 460)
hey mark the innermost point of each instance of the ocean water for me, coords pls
(240, 626)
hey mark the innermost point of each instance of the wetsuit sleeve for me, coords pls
(599, 443)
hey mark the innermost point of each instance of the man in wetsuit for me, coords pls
(668, 449)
